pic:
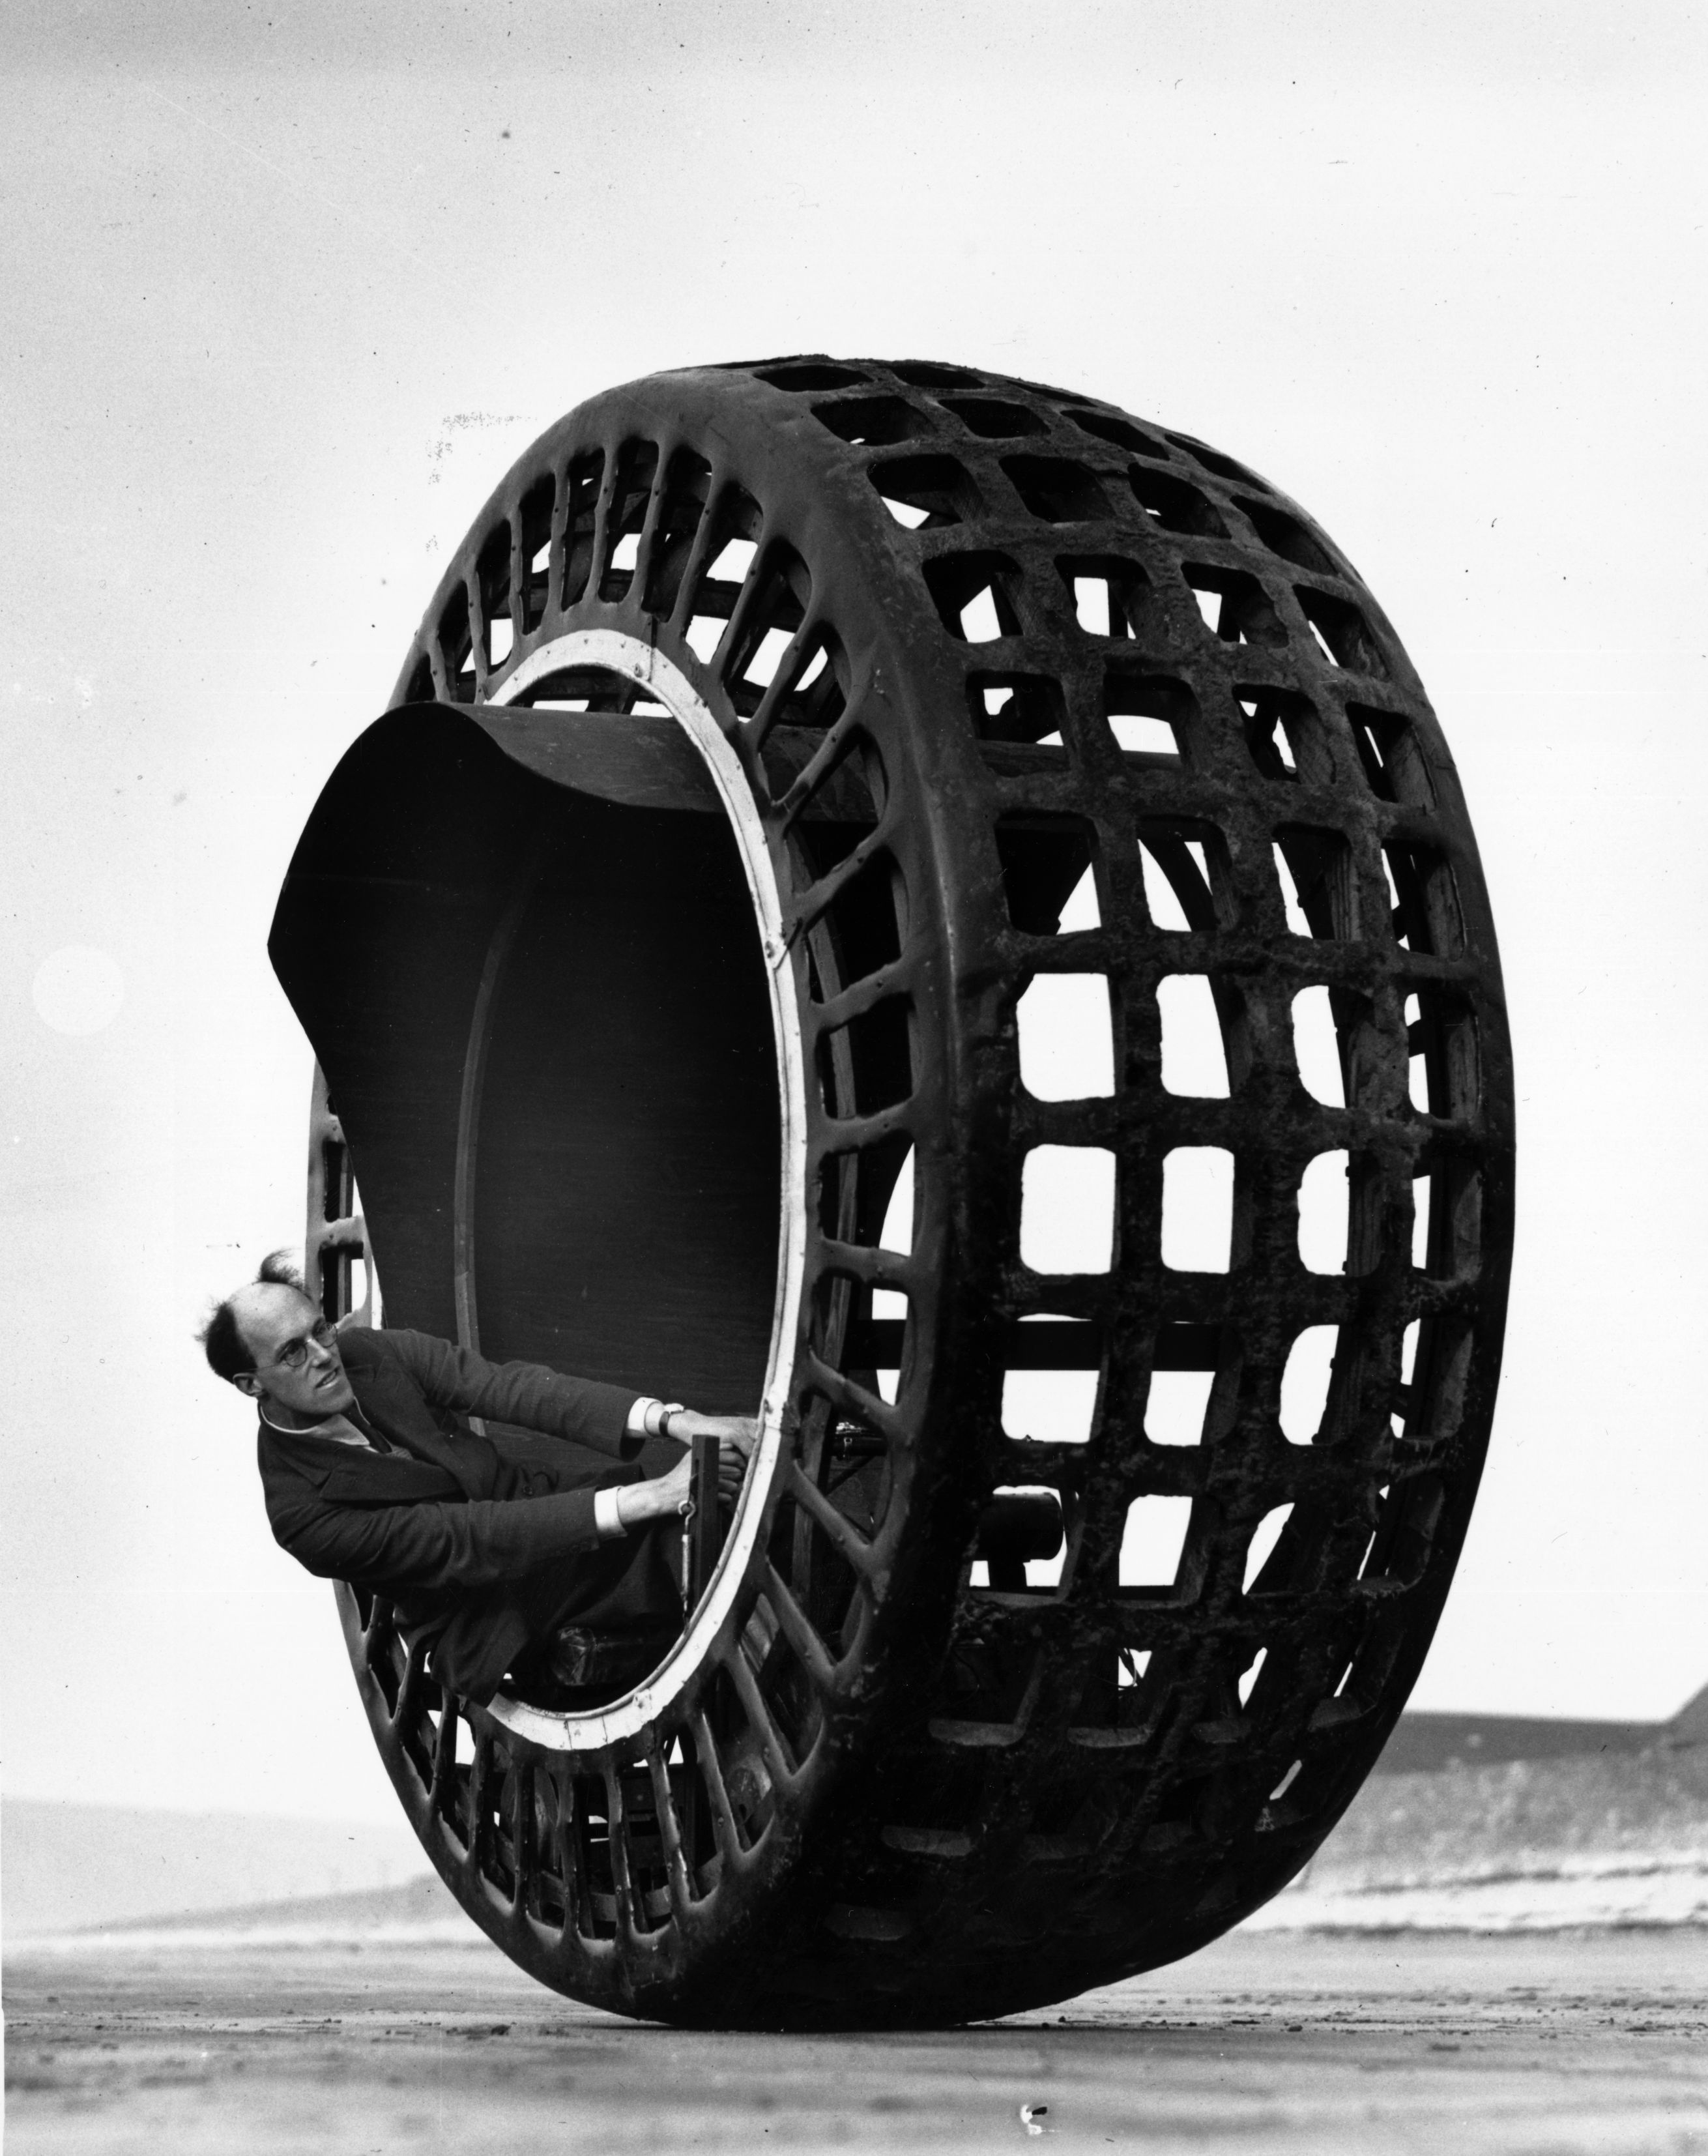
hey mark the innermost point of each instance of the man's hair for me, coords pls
(228, 1352)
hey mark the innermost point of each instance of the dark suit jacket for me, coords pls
(453, 1528)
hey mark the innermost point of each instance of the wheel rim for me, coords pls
(628, 659)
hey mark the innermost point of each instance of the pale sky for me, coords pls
(286, 300)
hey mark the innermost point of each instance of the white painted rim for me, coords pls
(662, 679)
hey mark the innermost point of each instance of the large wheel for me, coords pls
(1009, 704)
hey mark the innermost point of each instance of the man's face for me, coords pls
(293, 1372)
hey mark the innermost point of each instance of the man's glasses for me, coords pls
(295, 1353)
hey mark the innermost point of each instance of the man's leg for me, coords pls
(607, 1616)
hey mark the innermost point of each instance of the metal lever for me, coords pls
(702, 1533)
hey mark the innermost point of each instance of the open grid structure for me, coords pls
(1022, 689)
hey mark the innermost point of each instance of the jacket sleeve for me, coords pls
(415, 1549)
(528, 1393)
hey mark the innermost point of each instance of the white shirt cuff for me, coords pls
(647, 1417)
(606, 1516)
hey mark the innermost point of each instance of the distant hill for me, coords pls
(1425, 1742)
(421, 1905)
(1526, 1845)
(1544, 1845)
(66, 1867)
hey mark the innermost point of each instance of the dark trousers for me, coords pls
(631, 1585)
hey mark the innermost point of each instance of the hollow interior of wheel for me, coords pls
(544, 1024)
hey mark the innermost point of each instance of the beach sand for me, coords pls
(1592, 2042)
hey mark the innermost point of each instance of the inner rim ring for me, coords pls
(647, 667)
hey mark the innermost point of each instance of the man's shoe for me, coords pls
(579, 1658)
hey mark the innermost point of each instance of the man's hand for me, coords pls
(638, 1502)
(737, 1435)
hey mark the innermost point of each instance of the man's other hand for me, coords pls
(737, 1436)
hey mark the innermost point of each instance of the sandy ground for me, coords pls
(1596, 2042)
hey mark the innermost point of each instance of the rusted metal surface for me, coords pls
(889, 1792)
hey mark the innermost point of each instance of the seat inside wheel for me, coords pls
(546, 1032)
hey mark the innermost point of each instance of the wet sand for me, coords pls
(1596, 2042)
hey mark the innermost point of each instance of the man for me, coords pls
(552, 1556)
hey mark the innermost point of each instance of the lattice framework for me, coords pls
(925, 604)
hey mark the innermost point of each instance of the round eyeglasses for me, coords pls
(295, 1353)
